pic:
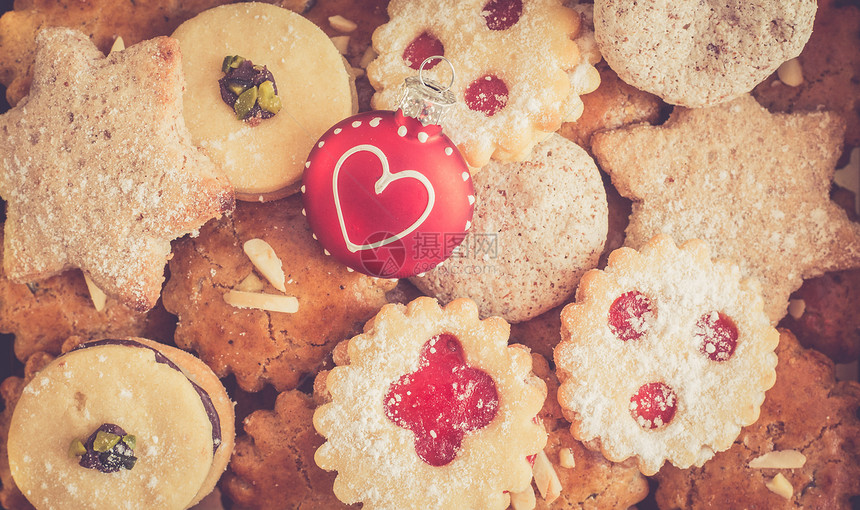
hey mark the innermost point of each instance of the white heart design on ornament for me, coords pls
(379, 186)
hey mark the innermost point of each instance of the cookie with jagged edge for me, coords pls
(98, 171)
(102, 20)
(570, 476)
(444, 407)
(829, 70)
(272, 465)
(256, 345)
(693, 345)
(697, 53)
(808, 433)
(754, 185)
(11, 389)
(518, 71)
(538, 226)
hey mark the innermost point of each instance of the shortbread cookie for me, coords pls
(102, 20)
(808, 434)
(585, 479)
(828, 71)
(257, 345)
(263, 157)
(100, 172)
(694, 53)
(537, 227)
(823, 314)
(444, 408)
(273, 465)
(764, 205)
(101, 409)
(693, 344)
(514, 64)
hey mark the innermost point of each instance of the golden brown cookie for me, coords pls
(514, 63)
(261, 346)
(700, 53)
(98, 169)
(444, 408)
(754, 185)
(273, 464)
(665, 355)
(808, 417)
(829, 68)
(101, 20)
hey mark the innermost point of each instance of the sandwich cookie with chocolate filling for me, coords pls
(121, 424)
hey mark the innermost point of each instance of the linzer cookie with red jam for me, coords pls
(121, 423)
(98, 170)
(263, 84)
(517, 74)
(443, 408)
(692, 345)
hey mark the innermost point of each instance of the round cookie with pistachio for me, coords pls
(263, 83)
(121, 423)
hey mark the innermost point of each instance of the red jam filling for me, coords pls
(653, 405)
(629, 315)
(487, 94)
(442, 401)
(421, 48)
(502, 14)
(718, 336)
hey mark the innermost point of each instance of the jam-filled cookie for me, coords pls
(443, 408)
(517, 69)
(121, 423)
(263, 84)
(665, 355)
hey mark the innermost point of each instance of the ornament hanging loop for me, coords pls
(424, 99)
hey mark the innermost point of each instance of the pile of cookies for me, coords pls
(658, 276)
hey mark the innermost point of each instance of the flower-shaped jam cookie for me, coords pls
(518, 71)
(665, 355)
(432, 410)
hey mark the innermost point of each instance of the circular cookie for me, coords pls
(443, 408)
(692, 344)
(537, 227)
(698, 53)
(262, 161)
(125, 423)
(518, 72)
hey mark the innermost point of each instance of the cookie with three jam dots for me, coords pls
(808, 434)
(517, 74)
(694, 53)
(570, 476)
(693, 344)
(538, 226)
(121, 423)
(263, 152)
(272, 465)
(256, 345)
(444, 410)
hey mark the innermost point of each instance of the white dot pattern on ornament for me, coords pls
(449, 151)
(356, 123)
(401, 131)
(374, 122)
(337, 131)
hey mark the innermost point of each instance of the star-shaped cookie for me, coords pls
(754, 185)
(98, 170)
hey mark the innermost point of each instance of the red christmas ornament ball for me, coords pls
(386, 195)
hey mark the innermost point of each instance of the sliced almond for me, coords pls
(118, 45)
(790, 73)
(266, 261)
(342, 24)
(98, 297)
(780, 486)
(251, 283)
(796, 308)
(367, 57)
(524, 500)
(262, 301)
(565, 458)
(341, 42)
(781, 459)
(546, 479)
